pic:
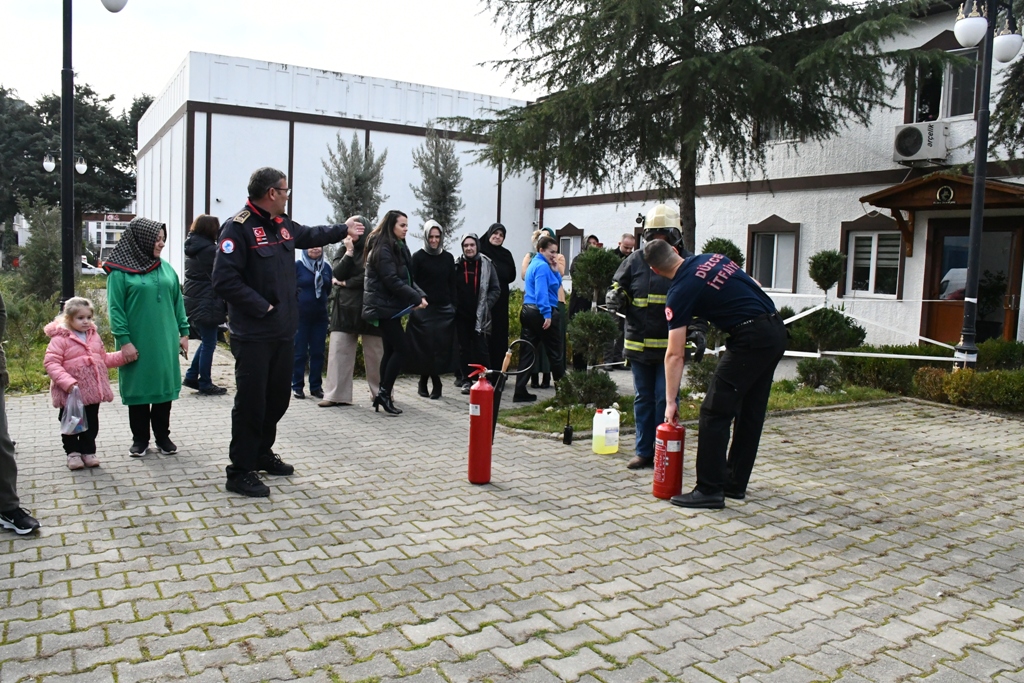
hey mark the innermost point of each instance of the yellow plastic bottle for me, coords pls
(605, 437)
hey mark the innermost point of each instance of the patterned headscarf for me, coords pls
(134, 251)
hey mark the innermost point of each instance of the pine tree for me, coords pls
(1007, 131)
(642, 93)
(40, 260)
(353, 180)
(439, 188)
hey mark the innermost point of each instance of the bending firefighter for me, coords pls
(639, 293)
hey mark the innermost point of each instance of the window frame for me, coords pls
(773, 225)
(876, 224)
(947, 42)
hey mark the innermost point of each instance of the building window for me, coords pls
(945, 92)
(772, 253)
(110, 237)
(776, 133)
(874, 263)
(569, 247)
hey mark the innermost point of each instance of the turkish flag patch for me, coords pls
(668, 313)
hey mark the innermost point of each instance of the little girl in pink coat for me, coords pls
(76, 356)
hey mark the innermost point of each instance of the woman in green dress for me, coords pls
(148, 321)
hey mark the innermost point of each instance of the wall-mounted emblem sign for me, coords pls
(945, 195)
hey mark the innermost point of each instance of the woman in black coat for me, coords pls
(505, 267)
(431, 331)
(389, 293)
(206, 311)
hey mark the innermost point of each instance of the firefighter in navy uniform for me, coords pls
(254, 272)
(639, 293)
(713, 287)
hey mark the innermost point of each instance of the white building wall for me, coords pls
(242, 143)
(311, 144)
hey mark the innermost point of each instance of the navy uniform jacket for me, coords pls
(255, 267)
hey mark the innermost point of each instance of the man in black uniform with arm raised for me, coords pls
(254, 272)
(712, 287)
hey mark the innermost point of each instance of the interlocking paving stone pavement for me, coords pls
(877, 543)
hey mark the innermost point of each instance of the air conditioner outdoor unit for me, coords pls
(921, 142)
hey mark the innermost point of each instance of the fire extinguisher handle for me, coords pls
(480, 370)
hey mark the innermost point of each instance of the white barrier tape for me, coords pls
(803, 314)
(971, 300)
(900, 356)
(893, 329)
(865, 299)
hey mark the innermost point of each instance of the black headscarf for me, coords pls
(502, 258)
(134, 251)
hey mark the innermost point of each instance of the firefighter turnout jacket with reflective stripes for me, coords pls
(640, 294)
(255, 268)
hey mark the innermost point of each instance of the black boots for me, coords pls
(435, 392)
(422, 390)
(383, 400)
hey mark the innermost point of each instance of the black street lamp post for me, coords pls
(971, 28)
(67, 147)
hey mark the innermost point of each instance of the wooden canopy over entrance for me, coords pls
(940, 192)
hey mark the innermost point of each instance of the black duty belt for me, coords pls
(763, 316)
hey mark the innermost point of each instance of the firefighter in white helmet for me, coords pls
(639, 294)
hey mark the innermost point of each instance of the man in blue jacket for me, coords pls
(254, 272)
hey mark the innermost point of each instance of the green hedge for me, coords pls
(1003, 389)
(999, 354)
(890, 374)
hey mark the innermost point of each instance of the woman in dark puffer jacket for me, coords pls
(389, 293)
(205, 310)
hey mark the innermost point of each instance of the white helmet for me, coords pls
(664, 219)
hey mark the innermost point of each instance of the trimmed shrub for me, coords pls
(784, 386)
(816, 372)
(827, 329)
(928, 384)
(959, 387)
(591, 332)
(726, 247)
(581, 388)
(999, 354)
(830, 330)
(889, 374)
(698, 375)
(592, 273)
(826, 267)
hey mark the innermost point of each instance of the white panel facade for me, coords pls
(240, 145)
(199, 168)
(309, 205)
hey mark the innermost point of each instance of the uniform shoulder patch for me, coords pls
(243, 216)
(227, 245)
(668, 313)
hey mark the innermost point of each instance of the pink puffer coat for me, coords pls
(69, 360)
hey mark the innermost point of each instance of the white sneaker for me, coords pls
(75, 461)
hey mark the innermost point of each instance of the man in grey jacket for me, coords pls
(476, 291)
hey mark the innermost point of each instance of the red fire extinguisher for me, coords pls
(481, 426)
(668, 460)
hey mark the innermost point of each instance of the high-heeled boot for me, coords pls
(422, 390)
(435, 392)
(383, 400)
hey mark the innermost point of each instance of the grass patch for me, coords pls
(537, 418)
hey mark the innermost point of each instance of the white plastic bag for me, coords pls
(74, 420)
